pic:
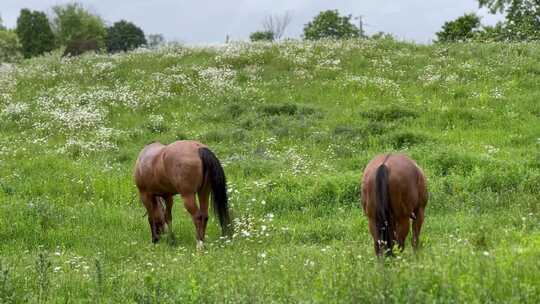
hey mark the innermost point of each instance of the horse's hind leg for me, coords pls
(191, 207)
(375, 234)
(402, 229)
(168, 212)
(204, 197)
(417, 225)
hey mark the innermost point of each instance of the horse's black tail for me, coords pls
(213, 172)
(384, 214)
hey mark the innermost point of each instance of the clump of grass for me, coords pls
(404, 139)
(388, 113)
(45, 211)
(6, 188)
(7, 290)
(371, 128)
(279, 109)
(216, 136)
(43, 270)
(99, 281)
(448, 162)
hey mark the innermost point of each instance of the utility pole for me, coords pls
(360, 25)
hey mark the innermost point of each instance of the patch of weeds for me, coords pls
(7, 291)
(123, 157)
(44, 211)
(459, 116)
(216, 136)
(447, 162)
(500, 178)
(43, 270)
(404, 139)
(99, 281)
(74, 151)
(7, 188)
(179, 135)
(239, 134)
(480, 240)
(388, 113)
(156, 124)
(257, 168)
(227, 112)
(371, 128)
(247, 123)
(279, 109)
(150, 293)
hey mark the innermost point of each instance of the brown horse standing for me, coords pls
(393, 190)
(187, 168)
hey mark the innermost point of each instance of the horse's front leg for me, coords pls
(148, 202)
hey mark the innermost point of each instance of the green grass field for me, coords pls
(294, 124)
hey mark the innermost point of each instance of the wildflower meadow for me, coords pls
(294, 124)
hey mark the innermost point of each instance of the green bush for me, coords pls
(10, 47)
(73, 21)
(124, 36)
(261, 36)
(462, 29)
(34, 33)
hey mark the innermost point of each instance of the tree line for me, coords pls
(76, 29)
(71, 27)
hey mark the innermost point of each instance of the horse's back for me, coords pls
(405, 181)
(183, 165)
(174, 168)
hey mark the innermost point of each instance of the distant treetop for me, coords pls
(329, 24)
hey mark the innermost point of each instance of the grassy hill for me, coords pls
(294, 125)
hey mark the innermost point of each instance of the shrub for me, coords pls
(10, 46)
(74, 22)
(78, 47)
(124, 36)
(461, 29)
(34, 33)
(261, 36)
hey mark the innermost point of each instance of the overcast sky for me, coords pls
(210, 21)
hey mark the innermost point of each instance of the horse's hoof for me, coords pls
(200, 245)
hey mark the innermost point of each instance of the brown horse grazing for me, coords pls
(187, 168)
(393, 190)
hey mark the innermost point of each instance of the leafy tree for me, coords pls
(461, 29)
(491, 33)
(155, 40)
(10, 47)
(329, 24)
(124, 36)
(262, 36)
(522, 18)
(34, 32)
(2, 27)
(495, 5)
(74, 22)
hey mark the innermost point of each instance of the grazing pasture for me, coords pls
(294, 124)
